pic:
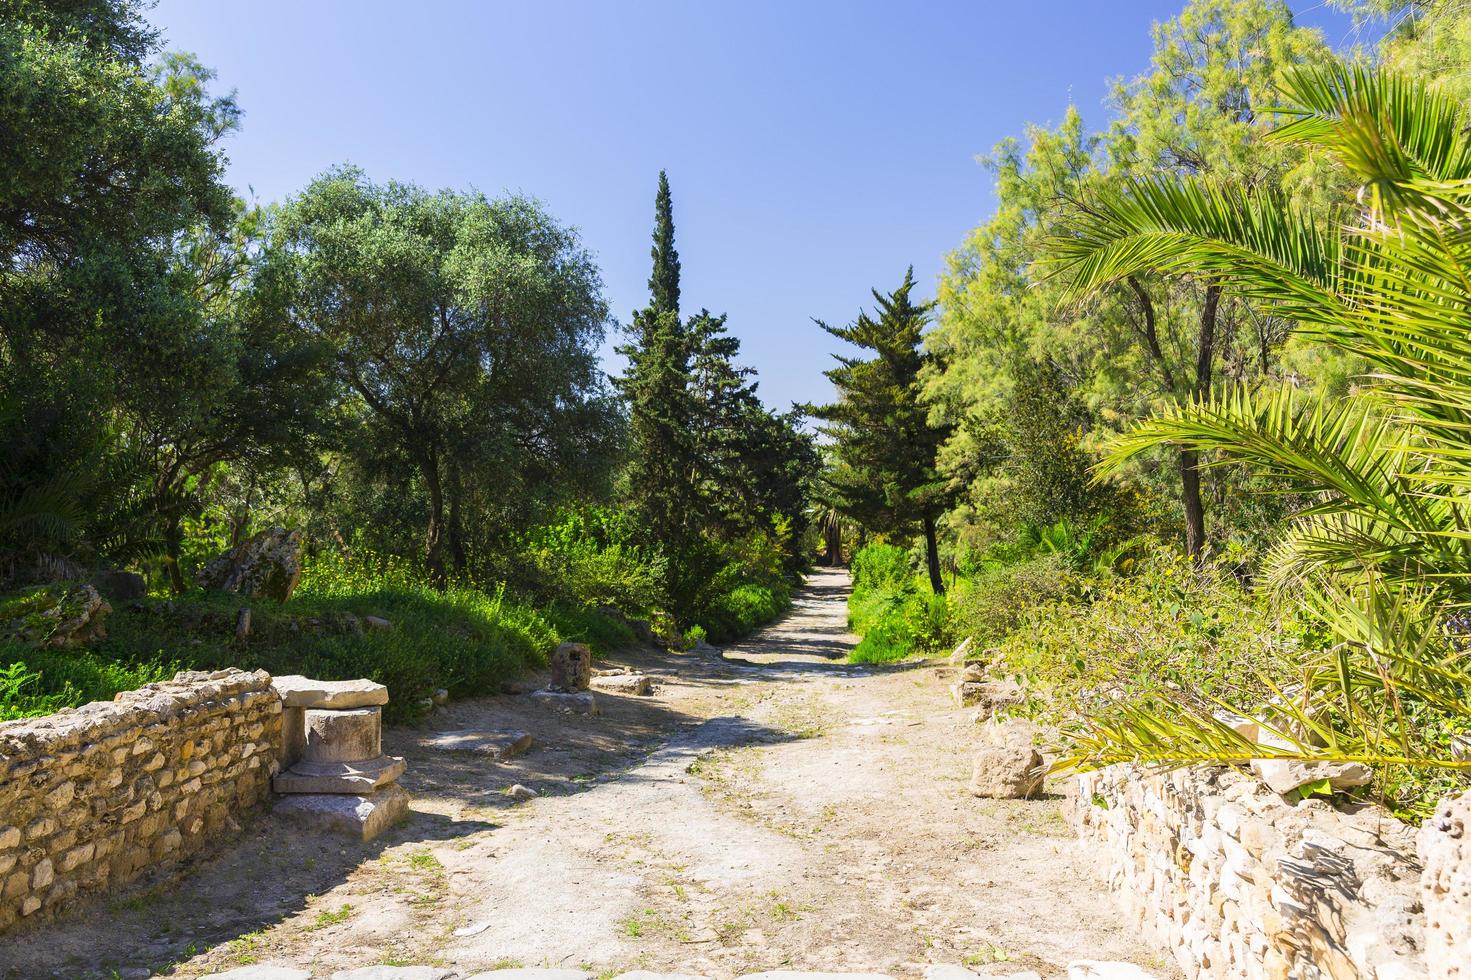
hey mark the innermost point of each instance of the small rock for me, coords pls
(523, 793)
(440, 698)
(958, 657)
(474, 929)
(973, 674)
(377, 623)
(946, 972)
(1285, 775)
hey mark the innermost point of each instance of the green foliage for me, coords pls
(589, 557)
(1380, 552)
(732, 614)
(880, 567)
(895, 616)
(1000, 598)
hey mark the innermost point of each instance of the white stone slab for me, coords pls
(303, 692)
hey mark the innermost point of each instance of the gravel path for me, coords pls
(774, 808)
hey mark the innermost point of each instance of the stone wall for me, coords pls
(1236, 882)
(94, 797)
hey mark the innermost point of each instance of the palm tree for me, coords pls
(1383, 552)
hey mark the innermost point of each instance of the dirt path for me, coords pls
(775, 808)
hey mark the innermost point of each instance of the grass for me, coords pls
(464, 639)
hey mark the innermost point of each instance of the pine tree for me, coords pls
(883, 442)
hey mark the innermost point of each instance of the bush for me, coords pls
(1174, 632)
(999, 599)
(587, 557)
(736, 613)
(880, 567)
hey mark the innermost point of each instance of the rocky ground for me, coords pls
(774, 808)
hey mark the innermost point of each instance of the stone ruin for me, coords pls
(335, 775)
(266, 566)
(571, 678)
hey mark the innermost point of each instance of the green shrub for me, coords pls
(736, 613)
(1174, 632)
(587, 557)
(881, 567)
(999, 599)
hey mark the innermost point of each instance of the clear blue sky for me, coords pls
(815, 149)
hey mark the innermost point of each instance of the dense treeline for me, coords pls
(394, 370)
(1161, 503)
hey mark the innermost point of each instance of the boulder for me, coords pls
(571, 667)
(1444, 847)
(118, 586)
(267, 566)
(1285, 775)
(57, 617)
(1007, 766)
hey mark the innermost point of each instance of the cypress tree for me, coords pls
(664, 281)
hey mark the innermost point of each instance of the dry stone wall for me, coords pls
(1237, 882)
(94, 797)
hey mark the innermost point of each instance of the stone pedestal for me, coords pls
(337, 777)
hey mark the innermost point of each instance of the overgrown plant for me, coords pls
(1381, 554)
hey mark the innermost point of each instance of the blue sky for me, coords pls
(814, 149)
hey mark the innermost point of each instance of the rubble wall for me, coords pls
(1236, 882)
(93, 797)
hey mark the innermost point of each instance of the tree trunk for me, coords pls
(173, 545)
(1194, 505)
(434, 527)
(456, 524)
(1190, 497)
(932, 556)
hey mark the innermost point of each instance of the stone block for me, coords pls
(363, 817)
(343, 735)
(533, 973)
(635, 684)
(394, 973)
(297, 691)
(1444, 847)
(571, 665)
(339, 777)
(580, 702)
(261, 973)
(499, 744)
(1007, 765)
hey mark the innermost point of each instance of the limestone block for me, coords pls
(636, 684)
(499, 744)
(363, 817)
(533, 973)
(339, 777)
(351, 735)
(297, 691)
(571, 667)
(580, 702)
(260, 973)
(960, 653)
(988, 695)
(394, 973)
